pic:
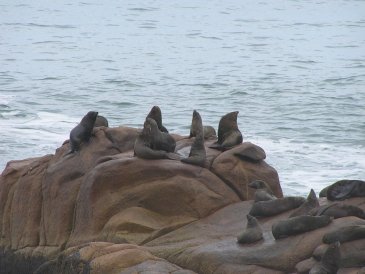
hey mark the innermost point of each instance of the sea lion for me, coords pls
(156, 115)
(298, 225)
(345, 234)
(82, 132)
(337, 210)
(197, 154)
(311, 203)
(228, 133)
(101, 121)
(323, 192)
(345, 189)
(252, 233)
(263, 191)
(154, 144)
(274, 207)
(330, 261)
(209, 132)
(196, 125)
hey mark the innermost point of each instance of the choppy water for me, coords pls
(294, 69)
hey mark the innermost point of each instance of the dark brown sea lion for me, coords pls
(101, 121)
(274, 207)
(252, 233)
(208, 131)
(345, 189)
(330, 261)
(154, 144)
(337, 210)
(323, 192)
(305, 209)
(83, 131)
(345, 234)
(197, 154)
(263, 191)
(156, 115)
(298, 225)
(228, 133)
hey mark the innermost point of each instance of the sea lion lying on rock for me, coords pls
(156, 115)
(298, 225)
(330, 261)
(252, 233)
(197, 154)
(154, 144)
(345, 189)
(310, 204)
(83, 131)
(263, 191)
(337, 210)
(345, 234)
(228, 133)
(101, 121)
(275, 207)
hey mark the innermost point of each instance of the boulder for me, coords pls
(105, 211)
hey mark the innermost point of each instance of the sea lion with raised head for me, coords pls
(208, 131)
(298, 225)
(330, 261)
(197, 154)
(83, 131)
(228, 133)
(154, 144)
(156, 115)
(252, 233)
(263, 191)
(310, 204)
(275, 207)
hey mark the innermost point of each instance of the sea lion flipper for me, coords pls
(173, 156)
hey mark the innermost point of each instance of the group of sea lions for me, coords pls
(155, 142)
(308, 215)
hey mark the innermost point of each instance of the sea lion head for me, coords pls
(227, 124)
(195, 114)
(251, 221)
(89, 119)
(149, 127)
(155, 114)
(230, 118)
(196, 128)
(312, 198)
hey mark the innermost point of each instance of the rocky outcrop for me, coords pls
(102, 210)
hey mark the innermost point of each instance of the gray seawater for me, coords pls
(294, 69)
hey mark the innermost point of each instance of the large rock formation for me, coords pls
(102, 210)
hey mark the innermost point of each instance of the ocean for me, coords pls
(295, 71)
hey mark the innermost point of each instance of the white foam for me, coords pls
(302, 166)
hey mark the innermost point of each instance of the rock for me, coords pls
(104, 257)
(104, 211)
(128, 199)
(209, 244)
(352, 253)
(238, 173)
